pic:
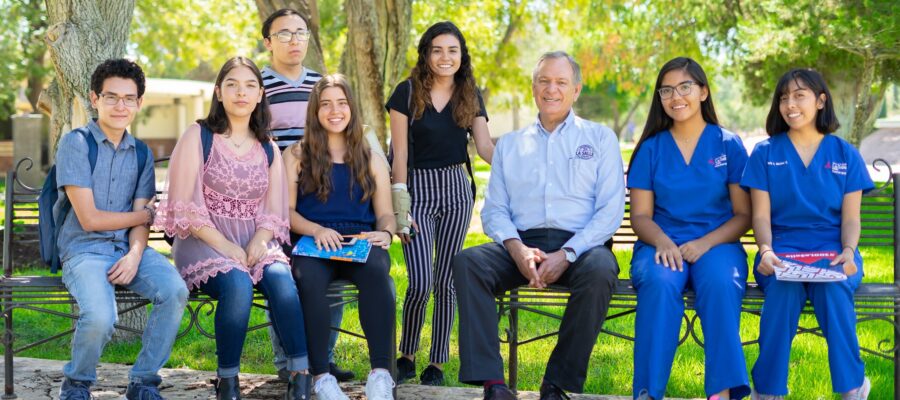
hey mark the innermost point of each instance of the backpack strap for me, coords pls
(206, 140)
(92, 146)
(270, 152)
(142, 151)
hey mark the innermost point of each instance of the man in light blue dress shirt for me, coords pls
(555, 197)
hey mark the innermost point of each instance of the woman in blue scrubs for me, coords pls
(806, 187)
(688, 212)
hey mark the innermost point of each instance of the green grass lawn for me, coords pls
(611, 362)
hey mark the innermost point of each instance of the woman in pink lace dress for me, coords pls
(227, 208)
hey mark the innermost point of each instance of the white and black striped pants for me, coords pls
(442, 207)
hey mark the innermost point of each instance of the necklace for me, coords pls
(238, 145)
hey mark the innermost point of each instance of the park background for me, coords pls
(48, 49)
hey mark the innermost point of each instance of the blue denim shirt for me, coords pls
(569, 179)
(113, 183)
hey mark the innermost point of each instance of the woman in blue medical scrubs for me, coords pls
(806, 186)
(689, 212)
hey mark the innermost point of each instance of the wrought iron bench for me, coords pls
(43, 294)
(873, 301)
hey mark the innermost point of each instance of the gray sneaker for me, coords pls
(643, 395)
(75, 390)
(380, 385)
(137, 391)
(860, 393)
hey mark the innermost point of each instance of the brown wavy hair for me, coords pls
(465, 93)
(315, 159)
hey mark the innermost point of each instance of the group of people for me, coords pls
(283, 153)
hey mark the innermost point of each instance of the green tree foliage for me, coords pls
(192, 39)
(855, 44)
(22, 51)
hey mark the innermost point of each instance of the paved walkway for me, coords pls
(38, 379)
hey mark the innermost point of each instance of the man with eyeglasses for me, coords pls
(288, 85)
(555, 197)
(102, 241)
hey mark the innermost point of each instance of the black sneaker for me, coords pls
(342, 375)
(284, 375)
(432, 376)
(406, 369)
(75, 390)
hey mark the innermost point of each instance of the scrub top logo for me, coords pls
(585, 152)
(776, 163)
(719, 161)
(837, 167)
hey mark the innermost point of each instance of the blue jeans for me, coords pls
(156, 280)
(234, 292)
(337, 315)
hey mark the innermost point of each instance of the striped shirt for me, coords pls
(287, 101)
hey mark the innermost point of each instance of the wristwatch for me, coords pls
(570, 254)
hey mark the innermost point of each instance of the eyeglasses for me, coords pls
(683, 89)
(286, 36)
(112, 99)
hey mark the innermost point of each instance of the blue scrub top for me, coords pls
(689, 200)
(806, 201)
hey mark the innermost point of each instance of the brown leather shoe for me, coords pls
(499, 392)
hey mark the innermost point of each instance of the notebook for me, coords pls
(355, 249)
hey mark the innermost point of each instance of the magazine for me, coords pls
(355, 249)
(809, 266)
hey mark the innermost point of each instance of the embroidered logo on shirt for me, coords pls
(776, 163)
(839, 168)
(585, 152)
(719, 161)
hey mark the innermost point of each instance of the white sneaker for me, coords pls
(327, 388)
(757, 396)
(380, 385)
(860, 393)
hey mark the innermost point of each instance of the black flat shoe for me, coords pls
(299, 387)
(342, 375)
(406, 369)
(550, 391)
(499, 392)
(432, 376)
(228, 388)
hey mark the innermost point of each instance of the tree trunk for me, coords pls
(81, 35)
(308, 8)
(868, 96)
(375, 54)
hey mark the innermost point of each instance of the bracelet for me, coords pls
(853, 250)
(151, 216)
(763, 253)
(390, 234)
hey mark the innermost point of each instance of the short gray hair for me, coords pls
(558, 54)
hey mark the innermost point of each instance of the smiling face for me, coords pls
(240, 92)
(799, 106)
(293, 52)
(554, 89)
(682, 107)
(334, 110)
(116, 117)
(445, 55)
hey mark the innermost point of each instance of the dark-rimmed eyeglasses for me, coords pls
(683, 89)
(111, 99)
(286, 36)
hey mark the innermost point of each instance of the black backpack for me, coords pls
(206, 142)
(48, 224)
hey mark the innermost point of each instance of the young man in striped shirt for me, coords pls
(287, 86)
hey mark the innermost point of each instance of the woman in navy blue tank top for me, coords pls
(337, 188)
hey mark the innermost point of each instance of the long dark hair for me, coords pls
(826, 120)
(657, 119)
(465, 98)
(315, 160)
(217, 120)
